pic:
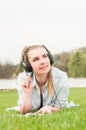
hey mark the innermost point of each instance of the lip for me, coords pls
(44, 67)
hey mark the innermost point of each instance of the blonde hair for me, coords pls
(50, 84)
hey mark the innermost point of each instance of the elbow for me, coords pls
(24, 111)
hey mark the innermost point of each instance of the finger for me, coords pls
(27, 83)
(48, 111)
(29, 78)
(55, 109)
(43, 111)
(38, 112)
(24, 85)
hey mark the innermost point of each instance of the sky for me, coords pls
(58, 24)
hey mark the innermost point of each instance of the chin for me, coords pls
(45, 71)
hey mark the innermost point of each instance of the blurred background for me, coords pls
(59, 25)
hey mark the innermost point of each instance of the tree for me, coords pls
(61, 60)
(77, 64)
(7, 70)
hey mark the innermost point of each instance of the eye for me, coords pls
(35, 59)
(45, 55)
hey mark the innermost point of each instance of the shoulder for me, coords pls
(60, 77)
(57, 72)
(22, 76)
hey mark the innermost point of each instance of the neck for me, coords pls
(41, 80)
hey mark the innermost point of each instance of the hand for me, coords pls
(47, 109)
(27, 85)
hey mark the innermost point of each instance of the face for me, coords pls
(39, 60)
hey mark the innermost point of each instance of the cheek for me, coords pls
(48, 60)
(34, 66)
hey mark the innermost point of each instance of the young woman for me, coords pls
(42, 87)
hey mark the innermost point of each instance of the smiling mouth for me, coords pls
(44, 67)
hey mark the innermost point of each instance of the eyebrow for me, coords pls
(38, 56)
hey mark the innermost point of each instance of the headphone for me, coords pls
(26, 64)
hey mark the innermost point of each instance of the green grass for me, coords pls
(66, 119)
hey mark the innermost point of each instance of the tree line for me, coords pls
(72, 62)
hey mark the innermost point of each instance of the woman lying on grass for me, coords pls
(42, 87)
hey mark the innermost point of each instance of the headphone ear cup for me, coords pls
(26, 65)
(51, 58)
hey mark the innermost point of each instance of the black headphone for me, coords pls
(27, 66)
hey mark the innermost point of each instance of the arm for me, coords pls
(47, 109)
(25, 94)
(27, 104)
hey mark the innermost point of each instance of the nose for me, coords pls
(42, 61)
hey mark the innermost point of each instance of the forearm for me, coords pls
(27, 104)
(53, 109)
(47, 109)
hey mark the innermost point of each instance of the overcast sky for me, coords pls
(58, 24)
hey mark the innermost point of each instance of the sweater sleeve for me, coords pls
(21, 77)
(61, 93)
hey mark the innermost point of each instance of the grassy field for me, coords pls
(66, 119)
